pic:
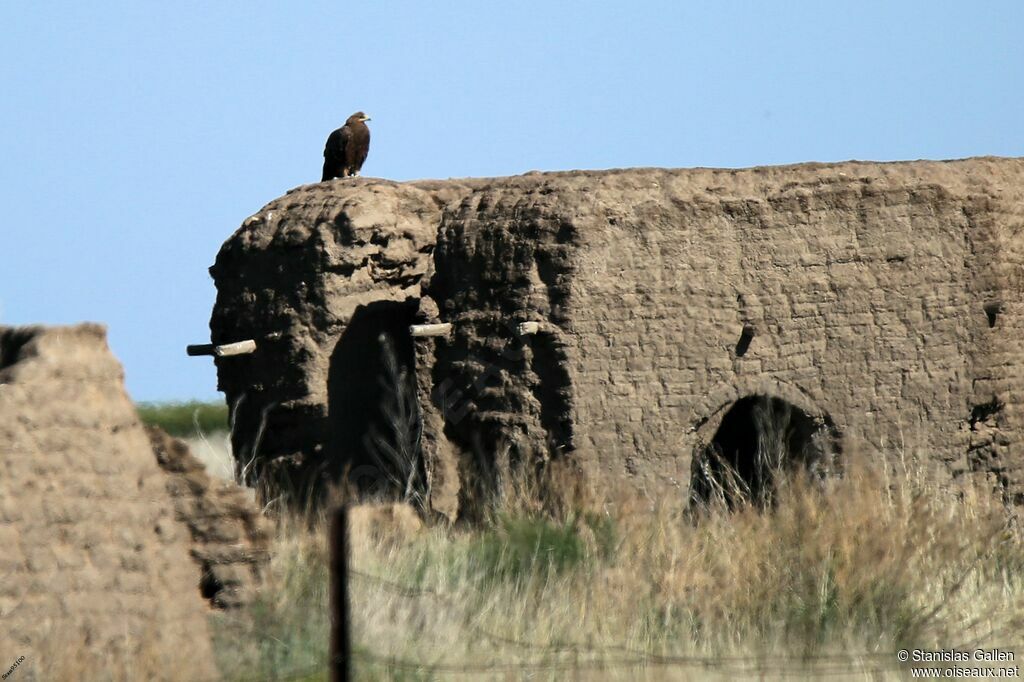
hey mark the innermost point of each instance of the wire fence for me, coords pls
(538, 657)
(547, 656)
(543, 657)
(551, 656)
(587, 656)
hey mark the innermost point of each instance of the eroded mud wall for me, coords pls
(882, 299)
(97, 565)
(504, 258)
(311, 277)
(856, 291)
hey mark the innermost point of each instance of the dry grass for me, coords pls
(214, 451)
(830, 579)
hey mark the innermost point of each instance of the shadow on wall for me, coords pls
(759, 439)
(371, 400)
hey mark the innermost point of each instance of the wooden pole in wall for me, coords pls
(340, 651)
(441, 329)
(224, 350)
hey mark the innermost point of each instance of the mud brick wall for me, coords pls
(103, 541)
(885, 297)
(230, 536)
(93, 558)
(293, 278)
(882, 300)
(505, 256)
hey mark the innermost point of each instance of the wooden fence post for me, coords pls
(341, 638)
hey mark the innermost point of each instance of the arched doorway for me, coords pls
(373, 408)
(759, 439)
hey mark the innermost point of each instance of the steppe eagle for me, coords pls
(347, 148)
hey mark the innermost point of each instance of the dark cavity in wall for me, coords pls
(12, 340)
(209, 585)
(760, 439)
(552, 391)
(372, 407)
(992, 311)
(984, 412)
(746, 336)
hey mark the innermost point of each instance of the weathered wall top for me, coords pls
(878, 299)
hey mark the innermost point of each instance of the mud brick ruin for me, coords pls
(879, 305)
(112, 538)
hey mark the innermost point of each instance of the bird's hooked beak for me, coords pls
(365, 119)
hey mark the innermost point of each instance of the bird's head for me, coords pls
(358, 117)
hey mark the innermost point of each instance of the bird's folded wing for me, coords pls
(336, 142)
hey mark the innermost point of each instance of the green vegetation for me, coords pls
(523, 548)
(831, 578)
(519, 549)
(186, 419)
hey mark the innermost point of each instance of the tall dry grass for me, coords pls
(831, 578)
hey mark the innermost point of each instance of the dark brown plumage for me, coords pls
(347, 148)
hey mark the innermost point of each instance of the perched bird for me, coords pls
(347, 147)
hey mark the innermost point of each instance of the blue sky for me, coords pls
(137, 136)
